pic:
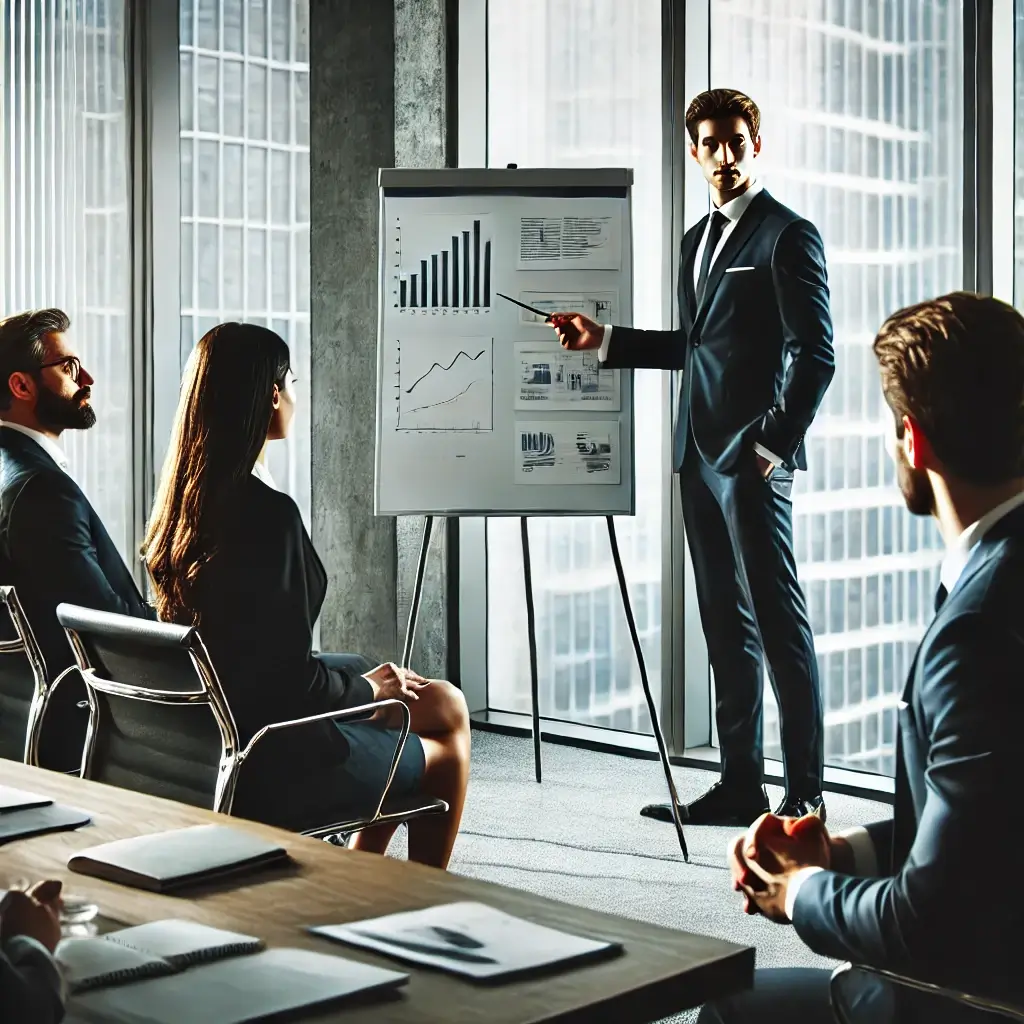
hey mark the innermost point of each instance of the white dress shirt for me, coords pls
(732, 210)
(958, 554)
(48, 444)
(262, 473)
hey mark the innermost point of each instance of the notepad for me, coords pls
(38, 820)
(470, 939)
(12, 799)
(146, 951)
(239, 990)
(164, 861)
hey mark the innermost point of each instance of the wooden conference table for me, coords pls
(661, 972)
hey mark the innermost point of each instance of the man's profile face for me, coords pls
(726, 153)
(62, 403)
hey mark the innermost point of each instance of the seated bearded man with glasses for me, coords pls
(53, 547)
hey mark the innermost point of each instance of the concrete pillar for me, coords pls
(378, 97)
(421, 133)
(352, 119)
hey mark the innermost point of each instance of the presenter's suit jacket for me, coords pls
(757, 355)
(54, 548)
(950, 905)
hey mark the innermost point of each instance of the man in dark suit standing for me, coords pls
(932, 892)
(53, 547)
(755, 351)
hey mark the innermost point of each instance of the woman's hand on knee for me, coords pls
(391, 682)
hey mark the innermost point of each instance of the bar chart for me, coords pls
(441, 265)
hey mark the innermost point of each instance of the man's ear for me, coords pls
(916, 446)
(21, 385)
(757, 145)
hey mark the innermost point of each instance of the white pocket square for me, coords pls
(736, 270)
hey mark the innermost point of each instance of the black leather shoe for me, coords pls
(798, 806)
(720, 805)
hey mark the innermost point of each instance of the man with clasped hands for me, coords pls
(935, 891)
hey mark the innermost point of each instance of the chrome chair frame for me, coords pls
(27, 645)
(964, 998)
(232, 757)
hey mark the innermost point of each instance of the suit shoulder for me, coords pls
(986, 611)
(267, 502)
(783, 218)
(780, 211)
(31, 484)
(996, 587)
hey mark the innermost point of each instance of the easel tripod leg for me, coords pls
(417, 591)
(531, 628)
(655, 725)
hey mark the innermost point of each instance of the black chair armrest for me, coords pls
(966, 999)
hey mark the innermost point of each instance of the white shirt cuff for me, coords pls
(795, 883)
(602, 352)
(865, 857)
(765, 454)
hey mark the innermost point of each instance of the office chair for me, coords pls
(24, 689)
(159, 722)
(842, 975)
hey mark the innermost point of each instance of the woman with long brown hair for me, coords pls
(228, 553)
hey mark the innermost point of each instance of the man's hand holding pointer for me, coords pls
(576, 331)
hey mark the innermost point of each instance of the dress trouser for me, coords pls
(740, 532)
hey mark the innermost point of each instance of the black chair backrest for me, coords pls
(158, 721)
(22, 678)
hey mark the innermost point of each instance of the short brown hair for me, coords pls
(21, 344)
(955, 365)
(718, 103)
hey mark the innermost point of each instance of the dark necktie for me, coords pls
(718, 222)
(940, 596)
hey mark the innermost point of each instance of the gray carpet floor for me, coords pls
(578, 838)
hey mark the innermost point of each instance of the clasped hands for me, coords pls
(765, 859)
(33, 912)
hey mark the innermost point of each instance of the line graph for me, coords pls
(444, 384)
(438, 366)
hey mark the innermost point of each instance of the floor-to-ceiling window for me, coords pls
(1018, 147)
(578, 83)
(64, 214)
(863, 134)
(244, 101)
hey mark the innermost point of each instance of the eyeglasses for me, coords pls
(71, 365)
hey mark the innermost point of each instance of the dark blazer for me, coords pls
(260, 596)
(757, 356)
(54, 548)
(950, 907)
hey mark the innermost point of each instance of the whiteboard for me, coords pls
(479, 409)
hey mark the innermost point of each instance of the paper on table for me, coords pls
(12, 799)
(470, 939)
